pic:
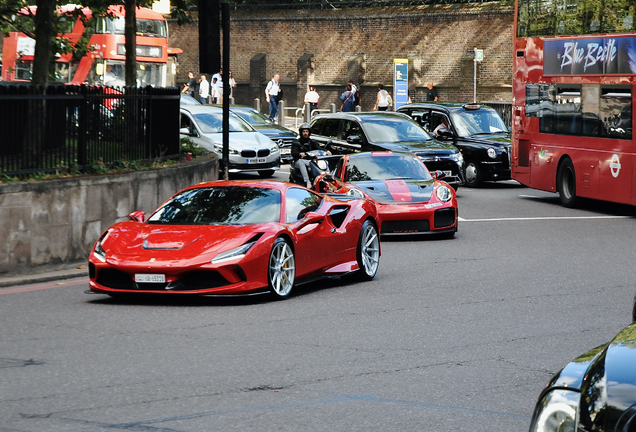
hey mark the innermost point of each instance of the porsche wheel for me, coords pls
(368, 253)
(282, 269)
(566, 184)
(473, 174)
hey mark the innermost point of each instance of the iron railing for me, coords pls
(340, 4)
(76, 128)
(504, 109)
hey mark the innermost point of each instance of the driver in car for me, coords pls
(299, 150)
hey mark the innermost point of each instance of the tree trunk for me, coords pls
(43, 37)
(130, 31)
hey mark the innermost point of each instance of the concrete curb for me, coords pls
(13, 281)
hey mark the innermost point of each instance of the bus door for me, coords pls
(616, 159)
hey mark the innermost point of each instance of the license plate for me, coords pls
(285, 151)
(256, 161)
(448, 173)
(150, 278)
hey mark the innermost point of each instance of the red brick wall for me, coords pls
(437, 40)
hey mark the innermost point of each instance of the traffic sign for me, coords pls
(479, 54)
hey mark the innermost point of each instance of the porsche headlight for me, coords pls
(355, 192)
(491, 153)
(443, 193)
(557, 412)
(99, 251)
(238, 252)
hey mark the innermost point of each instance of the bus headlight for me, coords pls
(557, 412)
(443, 193)
(492, 153)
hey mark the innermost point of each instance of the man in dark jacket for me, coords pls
(299, 150)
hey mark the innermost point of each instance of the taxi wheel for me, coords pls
(474, 176)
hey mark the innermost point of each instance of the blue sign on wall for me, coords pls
(400, 82)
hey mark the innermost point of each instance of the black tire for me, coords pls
(266, 173)
(473, 174)
(368, 251)
(566, 184)
(281, 269)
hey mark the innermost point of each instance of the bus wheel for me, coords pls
(566, 184)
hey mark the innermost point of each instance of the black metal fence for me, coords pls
(69, 128)
(340, 4)
(504, 109)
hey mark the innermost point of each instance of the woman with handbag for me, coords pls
(347, 100)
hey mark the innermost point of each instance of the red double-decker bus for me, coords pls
(104, 62)
(573, 83)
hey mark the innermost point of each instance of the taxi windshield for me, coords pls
(481, 121)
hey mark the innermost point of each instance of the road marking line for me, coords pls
(543, 218)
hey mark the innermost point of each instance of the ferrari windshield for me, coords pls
(481, 121)
(212, 122)
(235, 205)
(393, 130)
(385, 167)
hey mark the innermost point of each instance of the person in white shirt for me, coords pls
(204, 89)
(354, 90)
(219, 84)
(312, 97)
(271, 96)
(214, 91)
(382, 101)
(232, 84)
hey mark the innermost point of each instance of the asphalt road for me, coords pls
(452, 335)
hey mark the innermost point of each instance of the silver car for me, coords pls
(249, 149)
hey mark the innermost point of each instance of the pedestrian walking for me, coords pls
(214, 91)
(382, 101)
(431, 93)
(204, 89)
(312, 97)
(356, 93)
(271, 96)
(347, 99)
(191, 86)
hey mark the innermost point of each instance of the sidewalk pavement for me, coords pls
(76, 271)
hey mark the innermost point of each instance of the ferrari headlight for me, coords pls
(355, 192)
(238, 252)
(322, 165)
(557, 412)
(99, 251)
(443, 193)
(491, 153)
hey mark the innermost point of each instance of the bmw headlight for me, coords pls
(219, 148)
(355, 192)
(492, 153)
(557, 412)
(238, 252)
(274, 149)
(443, 193)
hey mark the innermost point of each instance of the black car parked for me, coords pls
(478, 131)
(348, 132)
(280, 135)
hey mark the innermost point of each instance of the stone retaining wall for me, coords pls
(56, 222)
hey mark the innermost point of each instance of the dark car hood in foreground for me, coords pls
(427, 147)
(606, 377)
(397, 191)
(275, 130)
(490, 140)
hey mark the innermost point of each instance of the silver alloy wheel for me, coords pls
(282, 268)
(370, 251)
(471, 173)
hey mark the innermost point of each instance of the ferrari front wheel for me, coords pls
(368, 253)
(281, 269)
